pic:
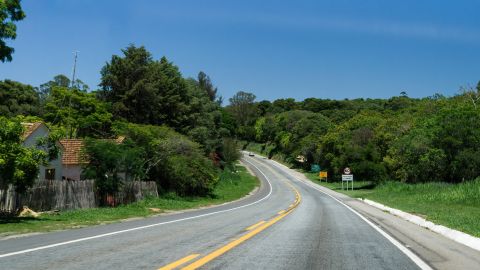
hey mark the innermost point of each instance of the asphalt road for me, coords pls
(287, 224)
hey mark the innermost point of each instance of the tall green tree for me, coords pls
(145, 91)
(60, 80)
(10, 12)
(242, 107)
(79, 113)
(206, 85)
(204, 118)
(18, 99)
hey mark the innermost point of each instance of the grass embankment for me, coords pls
(456, 206)
(232, 186)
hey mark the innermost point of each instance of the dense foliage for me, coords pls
(18, 99)
(401, 138)
(10, 12)
(171, 159)
(19, 164)
(175, 128)
(80, 113)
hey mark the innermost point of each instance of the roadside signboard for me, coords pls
(323, 175)
(315, 168)
(347, 177)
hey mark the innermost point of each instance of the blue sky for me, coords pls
(276, 49)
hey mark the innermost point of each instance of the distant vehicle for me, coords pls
(251, 154)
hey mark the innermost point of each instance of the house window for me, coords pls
(50, 174)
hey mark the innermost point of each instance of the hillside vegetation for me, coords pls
(432, 139)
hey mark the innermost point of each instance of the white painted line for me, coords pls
(457, 236)
(417, 260)
(141, 227)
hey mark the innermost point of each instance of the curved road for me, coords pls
(287, 224)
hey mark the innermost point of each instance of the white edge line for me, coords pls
(414, 257)
(457, 236)
(141, 227)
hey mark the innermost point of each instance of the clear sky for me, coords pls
(275, 49)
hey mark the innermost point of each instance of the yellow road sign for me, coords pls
(323, 174)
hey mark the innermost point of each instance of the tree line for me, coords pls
(412, 140)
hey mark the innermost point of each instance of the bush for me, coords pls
(230, 152)
(194, 175)
(111, 163)
(172, 160)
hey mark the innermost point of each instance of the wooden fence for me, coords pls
(48, 195)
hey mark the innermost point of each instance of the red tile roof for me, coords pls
(72, 154)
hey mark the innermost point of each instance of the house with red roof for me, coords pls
(33, 132)
(71, 159)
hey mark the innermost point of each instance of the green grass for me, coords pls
(360, 188)
(456, 206)
(232, 186)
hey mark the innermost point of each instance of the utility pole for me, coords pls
(69, 127)
(74, 67)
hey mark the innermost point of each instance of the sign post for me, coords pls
(323, 175)
(347, 176)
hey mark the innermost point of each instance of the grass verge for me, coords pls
(232, 186)
(456, 206)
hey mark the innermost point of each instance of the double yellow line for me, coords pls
(253, 230)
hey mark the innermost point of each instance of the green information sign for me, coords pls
(315, 168)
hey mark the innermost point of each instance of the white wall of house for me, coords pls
(72, 172)
(40, 132)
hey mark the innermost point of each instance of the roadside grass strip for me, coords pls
(455, 206)
(232, 186)
(457, 236)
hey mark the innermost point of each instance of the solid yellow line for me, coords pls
(255, 225)
(179, 262)
(231, 245)
(281, 212)
(245, 237)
